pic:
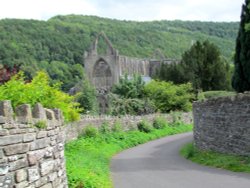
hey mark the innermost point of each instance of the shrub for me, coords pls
(39, 90)
(90, 131)
(144, 126)
(41, 124)
(159, 123)
(104, 128)
(117, 127)
(176, 119)
(169, 97)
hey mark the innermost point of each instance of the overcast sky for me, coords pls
(140, 10)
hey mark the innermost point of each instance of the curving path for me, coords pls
(157, 164)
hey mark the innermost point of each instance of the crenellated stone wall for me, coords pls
(223, 124)
(127, 122)
(31, 147)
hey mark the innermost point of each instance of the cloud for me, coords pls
(44, 9)
(142, 10)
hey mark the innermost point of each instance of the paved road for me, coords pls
(157, 164)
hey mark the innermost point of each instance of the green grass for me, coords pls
(218, 160)
(214, 94)
(88, 159)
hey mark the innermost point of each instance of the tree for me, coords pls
(87, 97)
(241, 77)
(203, 66)
(127, 97)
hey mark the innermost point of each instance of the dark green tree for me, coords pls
(241, 77)
(202, 65)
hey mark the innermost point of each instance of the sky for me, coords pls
(139, 10)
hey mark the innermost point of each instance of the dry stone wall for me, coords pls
(223, 124)
(127, 122)
(31, 156)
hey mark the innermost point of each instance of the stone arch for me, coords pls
(102, 75)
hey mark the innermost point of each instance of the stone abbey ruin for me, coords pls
(105, 70)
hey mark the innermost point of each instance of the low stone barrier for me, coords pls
(127, 122)
(31, 147)
(223, 124)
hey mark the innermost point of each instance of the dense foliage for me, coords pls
(39, 91)
(86, 97)
(57, 45)
(241, 77)
(219, 160)
(202, 65)
(169, 97)
(88, 158)
(127, 97)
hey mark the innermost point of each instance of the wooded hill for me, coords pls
(57, 45)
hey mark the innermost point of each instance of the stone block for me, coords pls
(2, 120)
(50, 114)
(39, 112)
(14, 139)
(21, 175)
(6, 181)
(16, 149)
(3, 132)
(17, 131)
(18, 164)
(41, 134)
(56, 182)
(52, 177)
(28, 137)
(13, 158)
(4, 169)
(47, 167)
(35, 156)
(51, 133)
(49, 152)
(6, 110)
(58, 115)
(22, 184)
(33, 174)
(3, 161)
(48, 185)
(39, 144)
(10, 125)
(1, 153)
(23, 113)
(42, 181)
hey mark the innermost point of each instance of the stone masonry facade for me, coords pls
(31, 147)
(223, 124)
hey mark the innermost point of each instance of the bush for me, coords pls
(104, 128)
(144, 126)
(159, 123)
(39, 91)
(117, 127)
(41, 124)
(169, 97)
(90, 131)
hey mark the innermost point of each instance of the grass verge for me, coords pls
(218, 160)
(88, 159)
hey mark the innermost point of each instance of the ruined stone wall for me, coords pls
(31, 156)
(133, 66)
(127, 122)
(223, 124)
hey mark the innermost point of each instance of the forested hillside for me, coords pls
(57, 45)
